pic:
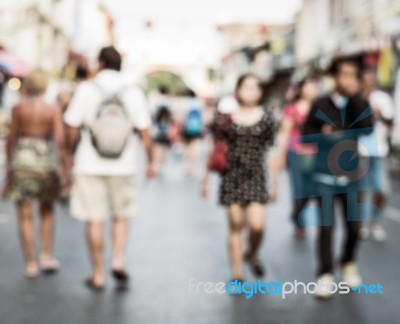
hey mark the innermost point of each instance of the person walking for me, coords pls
(292, 150)
(378, 178)
(165, 129)
(336, 121)
(192, 131)
(36, 169)
(248, 132)
(106, 112)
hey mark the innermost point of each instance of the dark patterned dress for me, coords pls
(245, 180)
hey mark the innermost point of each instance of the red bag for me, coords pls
(218, 161)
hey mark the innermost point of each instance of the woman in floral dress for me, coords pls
(35, 164)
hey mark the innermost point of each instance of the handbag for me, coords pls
(218, 160)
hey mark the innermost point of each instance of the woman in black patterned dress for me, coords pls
(249, 131)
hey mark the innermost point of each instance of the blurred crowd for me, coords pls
(73, 140)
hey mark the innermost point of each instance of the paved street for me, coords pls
(176, 237)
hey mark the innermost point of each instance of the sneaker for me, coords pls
(350, 275)
(325, 283)
(364, 232)
(378, 234)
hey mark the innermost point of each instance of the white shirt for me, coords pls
(82, 111)
(396, 127)
(381, 101)
(227, 105)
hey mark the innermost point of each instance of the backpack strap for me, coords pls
(106, 98)
(101, 90)
(109, 97)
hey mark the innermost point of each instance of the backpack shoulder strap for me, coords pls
(108, 97)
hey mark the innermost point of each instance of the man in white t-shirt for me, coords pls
(102, 184)
(377, 177)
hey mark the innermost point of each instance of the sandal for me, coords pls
(122, 279)
(239, 280)
(93, 286)
(49, 266)
(256, 267)
(32, 272)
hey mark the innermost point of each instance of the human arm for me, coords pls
(74, 118)
(59, 137)
(382, 107)
(147, 141)
(274, 170)
(205, 183)
(219, 128)
(283, 142)
(141, 119)
(378, 115)
(13, 134)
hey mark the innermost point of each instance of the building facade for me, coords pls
(43, 31)
(325, 28)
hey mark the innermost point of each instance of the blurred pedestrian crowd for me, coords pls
(77, 145)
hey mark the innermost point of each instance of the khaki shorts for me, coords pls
(94, 198)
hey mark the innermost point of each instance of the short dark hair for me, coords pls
(240, 82)
(336, 64)
(82, 72)
(110, 58)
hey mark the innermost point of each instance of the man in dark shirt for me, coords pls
(334, 125)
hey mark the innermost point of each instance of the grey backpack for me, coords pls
(111, 128)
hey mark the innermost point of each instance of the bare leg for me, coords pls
(192, 153)
(26, 232)
(120, 228)
(236, 224)
(256, 221)
(379, 200)
(95, 238)
(47, 230)
(160, 156)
